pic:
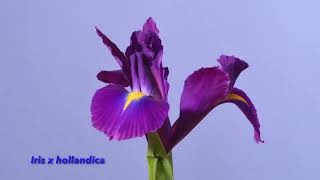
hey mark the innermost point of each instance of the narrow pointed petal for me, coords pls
(134, 73)
(159, 75)
(150, 26)
(116, 77)
(146, 84)
(239, 98)
(202, 91)
(233, 66)
(115, 51)
(123, 115)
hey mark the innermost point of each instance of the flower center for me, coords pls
(133, 96)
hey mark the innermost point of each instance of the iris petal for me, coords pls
(159, 74)
(150, 26)
(233, 66)
(202, 89)
(115, 51)
(134, 73)
(116, 77)
(117, 54)
(239, 98)
(140, 116)
(146, 84)
(201, 93)
(146, 51)
(208, 88)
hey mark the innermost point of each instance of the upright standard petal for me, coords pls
(150, 26)
(145, 52)
(201, 93)
(123, 115)
(239, 98)
(115, 51)
(160, 75)
(116, 77)
(233, 66)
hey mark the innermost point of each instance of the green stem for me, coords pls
(159, 161)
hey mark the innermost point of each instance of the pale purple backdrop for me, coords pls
(50, 54)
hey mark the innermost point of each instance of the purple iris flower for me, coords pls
(134, 101)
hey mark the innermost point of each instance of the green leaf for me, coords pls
(159, 161)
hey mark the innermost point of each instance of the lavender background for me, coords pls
(50, 54)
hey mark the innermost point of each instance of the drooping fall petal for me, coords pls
(123, 115)
(116, 77)
(202, 91)
(239, 98)
(234, 66)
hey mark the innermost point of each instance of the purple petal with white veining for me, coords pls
(159, 75)
(145, 54)
(146, 83)
(141, 116)
(134, 73)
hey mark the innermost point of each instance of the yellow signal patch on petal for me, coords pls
(236, 97)
(133, 96)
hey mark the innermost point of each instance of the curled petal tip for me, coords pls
(233, 66)
(257, 138)
(230, 62)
